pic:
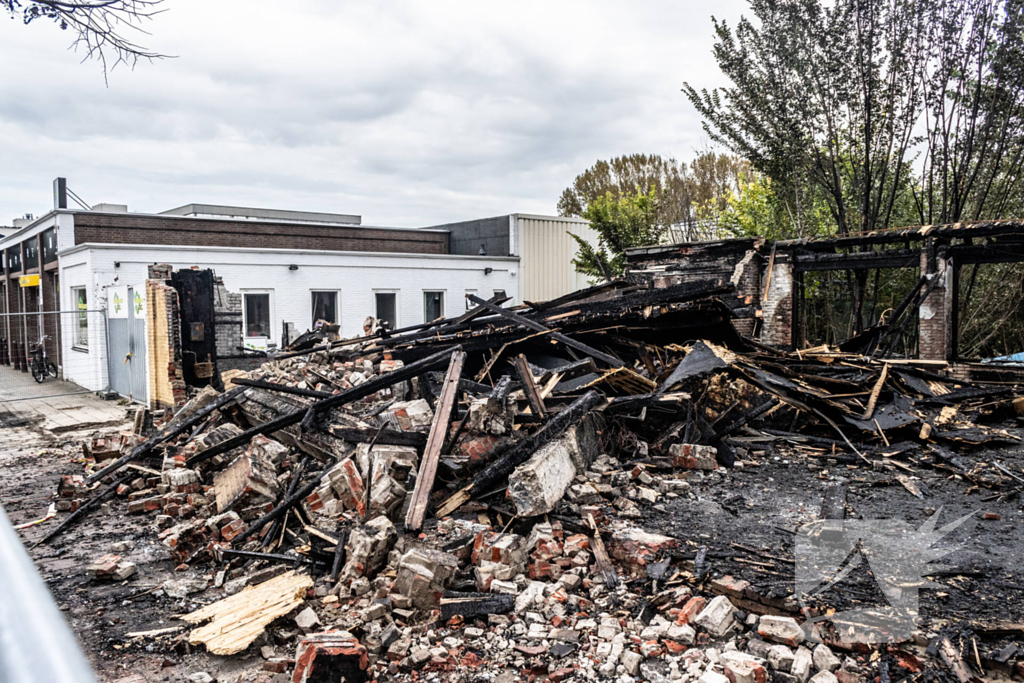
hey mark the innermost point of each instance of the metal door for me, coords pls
(126, 353)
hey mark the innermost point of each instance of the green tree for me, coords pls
(688, 195)
(621, 222)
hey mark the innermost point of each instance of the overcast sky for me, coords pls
(407, 113)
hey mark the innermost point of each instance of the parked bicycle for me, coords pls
(39, 363)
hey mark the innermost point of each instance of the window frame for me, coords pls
(77, 343)
(470, 304)
(270, 313)
(427, 292)
(312, 307)
(376, 313)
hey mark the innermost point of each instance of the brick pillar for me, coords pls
(935, 333)
(746, 277)
(777, 308)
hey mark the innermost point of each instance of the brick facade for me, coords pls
(178, 231)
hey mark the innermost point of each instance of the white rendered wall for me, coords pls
(356, 276)
(88, 367)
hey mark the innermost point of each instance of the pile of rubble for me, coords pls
(469, 495)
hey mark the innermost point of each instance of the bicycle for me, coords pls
(39, 363)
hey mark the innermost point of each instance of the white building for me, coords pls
(290, 267)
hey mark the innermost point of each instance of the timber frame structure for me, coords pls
(769, 277)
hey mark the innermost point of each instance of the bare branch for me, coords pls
(103, 29)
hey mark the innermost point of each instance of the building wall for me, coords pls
(466, 237)
(356, 277)
(86, 367)
(547, 250)
(126, 228)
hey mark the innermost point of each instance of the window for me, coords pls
(325, 306)
(80, 303)
(433, 306)
(500, 293)
(470, 304)
(31, 253)
(387, 309)
(257, 314)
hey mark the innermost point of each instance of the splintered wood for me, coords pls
(238, 620)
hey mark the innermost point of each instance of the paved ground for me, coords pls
(50, 407)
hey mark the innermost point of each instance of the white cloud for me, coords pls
(408, 113)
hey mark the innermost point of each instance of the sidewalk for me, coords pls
(51, 405)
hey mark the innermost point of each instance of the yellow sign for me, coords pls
(29, 280)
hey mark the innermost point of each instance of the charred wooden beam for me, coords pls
(498, 396)
(354, 394)
(166, 435)
(867, 260)
(296, 478)
(536, 326)
(86, 508)
(432, 451)
(282, 507)
(389, 437)
(522, 451)
(529, 387)
(283, 388)
(475, 604)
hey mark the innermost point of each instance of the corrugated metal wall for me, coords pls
(546, 252)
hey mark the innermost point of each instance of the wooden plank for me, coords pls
(238, 620)
(534, 325)
(875, 393)
(954, 661)
(432, 451)
(602, 560)
(529, 387)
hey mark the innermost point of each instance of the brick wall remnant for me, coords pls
(935, 340)
(163, 341)
(777, 307)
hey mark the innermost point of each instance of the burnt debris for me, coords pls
(488, 477)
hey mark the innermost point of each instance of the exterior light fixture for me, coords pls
(293, 267)
(483, 251)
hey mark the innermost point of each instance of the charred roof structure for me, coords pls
(770, 277)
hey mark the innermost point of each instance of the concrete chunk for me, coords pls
(368, 547)
(717, 617)
(783, 630)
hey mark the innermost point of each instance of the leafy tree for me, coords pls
(974, 107)
(621, 222)
(837, 96)
(826, 94)
(688, 195)
(101, 27)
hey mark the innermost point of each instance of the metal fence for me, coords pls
(73, 346)
(36, 645)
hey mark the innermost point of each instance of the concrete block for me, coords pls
(717, 617)
(782, 630)
(368, 547)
